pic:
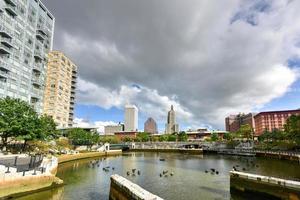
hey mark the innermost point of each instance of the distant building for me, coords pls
(112, 129)
(202, 134)
(150, 126)
(234, 122)
(131, 118)
(272, 120)
(171, 126)
(59, 99)
(125, 134)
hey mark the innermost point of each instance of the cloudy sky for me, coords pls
(208, 58)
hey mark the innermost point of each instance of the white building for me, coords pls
(131, 118)
(112, 129)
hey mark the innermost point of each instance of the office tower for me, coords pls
(234, 122)
(131, 118)
(26, 35)
(171, 126)
(150, 126)
(272, 120)
(60, 89)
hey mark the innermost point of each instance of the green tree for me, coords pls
(245, 131)
(172, 138)
(47, 128)
(80, 136)
(292, 128)
(182, 136)
(142, 137)
(214, 137)
(163, 138)
(228, 136)
(17, 120)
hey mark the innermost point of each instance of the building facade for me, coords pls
(171, 126)
(131, 118)
(150, 126)
(234, 122)
(272, 120)
(26, 37)
(60, 89)
(112, 129)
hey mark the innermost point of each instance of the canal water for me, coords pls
(189, 182)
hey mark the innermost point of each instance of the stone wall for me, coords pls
(14, 183)
(123, 189)
(190, 151)
(71, 157)
(273, 187)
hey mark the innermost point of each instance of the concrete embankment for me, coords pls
(273, 187)
(72, 157)
(123, 189)
(14, 183)
(190, 151)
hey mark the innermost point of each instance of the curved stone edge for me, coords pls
(122, 188)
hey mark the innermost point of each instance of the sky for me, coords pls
(208, 58)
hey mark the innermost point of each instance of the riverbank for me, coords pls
(189, 151)
(15, 184)
(79, 156)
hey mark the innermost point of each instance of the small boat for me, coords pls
(162, 159)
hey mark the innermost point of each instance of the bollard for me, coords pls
(16, 158)
(24, 173)
(7, 172)
(34, 171)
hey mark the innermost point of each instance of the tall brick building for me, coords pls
(234, 122)
(271, 120)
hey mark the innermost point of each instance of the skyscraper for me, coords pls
(131, 118)
(26, 35)
(60, 89)
(171, 126)
(150, 126)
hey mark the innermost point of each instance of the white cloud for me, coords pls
(207, 58)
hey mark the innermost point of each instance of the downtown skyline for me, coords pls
(249, 44)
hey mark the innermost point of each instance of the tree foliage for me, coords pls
(79, 136)
(292, 128)
(18, 120)
(246, 131)
(182, 136)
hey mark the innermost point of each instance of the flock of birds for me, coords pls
(166, 173)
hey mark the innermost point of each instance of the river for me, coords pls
(189, 182)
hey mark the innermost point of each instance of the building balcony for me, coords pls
(38, 55)
(11, 2)
(4, 49)
(12, 10)
(4, 65)
(40, 36)
(4, 74)
(6, 41)
(37, 81)
(38, 67)
(41, 30)
(5, 32)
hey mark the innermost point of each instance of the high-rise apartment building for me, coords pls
(272, 120)
(131, 118)
(234, 122)
(171, 126)
(60, 89)
(26, 35)
(150, 126)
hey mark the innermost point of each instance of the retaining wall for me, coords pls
(123, 189)
(15, 183)
(68, 158)
(275, 187)
(190, 151)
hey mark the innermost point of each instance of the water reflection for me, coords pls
(190, 181)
